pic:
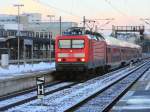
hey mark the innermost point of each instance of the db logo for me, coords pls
(71, 55)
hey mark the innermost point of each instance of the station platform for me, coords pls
(137, 99)
(14, 79)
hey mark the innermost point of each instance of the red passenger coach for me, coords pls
(78, 52)
(121, 52)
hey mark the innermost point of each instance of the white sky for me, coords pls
(125, 12)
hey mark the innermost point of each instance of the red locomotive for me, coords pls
(79, 50)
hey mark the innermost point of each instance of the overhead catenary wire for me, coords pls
(58, 9)
(92, 22)
(67, 12)
(115, 8)
(119, 11)
(104, 24)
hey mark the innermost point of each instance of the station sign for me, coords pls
(40, 81)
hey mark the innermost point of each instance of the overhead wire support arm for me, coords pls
(85, 23)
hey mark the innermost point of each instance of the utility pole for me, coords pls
(84, 22)
(18, 33)
(50, 39)
(50, 35)
(50, 17)
(60, 25)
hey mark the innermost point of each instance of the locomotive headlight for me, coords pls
(59, 59)
(83, 59)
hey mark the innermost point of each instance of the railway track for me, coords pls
(24, 96)
(79, 97)
(104, 100)
(16, 99)
(11, 95)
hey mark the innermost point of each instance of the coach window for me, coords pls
(41, 34)
(64, 43)
(77, 43)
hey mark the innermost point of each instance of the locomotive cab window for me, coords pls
(64, 43)
(71, 43)
(77, 43)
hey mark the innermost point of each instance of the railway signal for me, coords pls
(40, 81)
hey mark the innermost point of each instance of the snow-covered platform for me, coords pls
(14, 78)
(137, 99)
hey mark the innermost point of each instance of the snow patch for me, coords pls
(14, 70)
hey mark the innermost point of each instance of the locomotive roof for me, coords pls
(116, 42)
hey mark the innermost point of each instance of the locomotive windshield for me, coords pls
(71, 43)
(64, 43)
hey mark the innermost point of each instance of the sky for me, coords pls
(124, 12)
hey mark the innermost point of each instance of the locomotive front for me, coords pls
(70, 51)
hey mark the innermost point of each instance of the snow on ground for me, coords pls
(31, 94)
(14, 70)
(64, 99)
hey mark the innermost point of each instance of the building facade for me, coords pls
(30, 44)
(53, 27)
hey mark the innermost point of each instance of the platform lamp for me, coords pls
(18, 33)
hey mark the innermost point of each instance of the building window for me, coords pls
(45, 35)
(41, 34)
(37, 34)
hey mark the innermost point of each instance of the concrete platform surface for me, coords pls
(19, 83)
(137, 99)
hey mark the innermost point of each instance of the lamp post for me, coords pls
(50, 34)
(60, 25)
(18, 33)
(50, 17)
